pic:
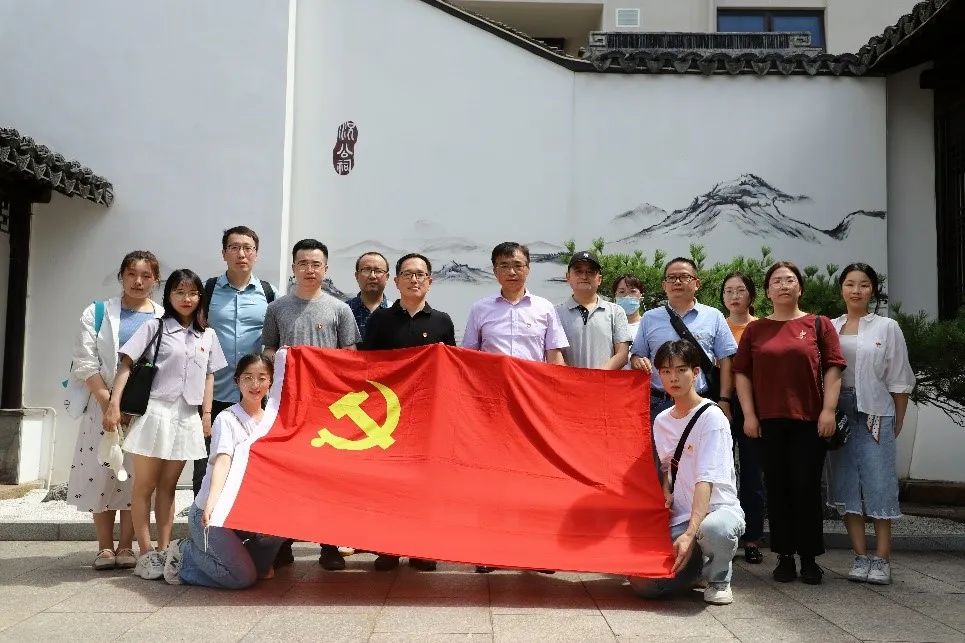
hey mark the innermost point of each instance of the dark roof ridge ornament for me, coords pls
(23, 158)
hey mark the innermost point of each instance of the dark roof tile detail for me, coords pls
(22, 157)
(894, 35)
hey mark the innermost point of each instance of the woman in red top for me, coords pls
(780, 365)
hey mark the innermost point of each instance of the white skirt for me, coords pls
(167, 430)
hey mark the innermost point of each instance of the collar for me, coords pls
(525, 297)
(358, 297)
(572, 303)
(695, 307)
(172, 326)
(399, 310)
(253, 283)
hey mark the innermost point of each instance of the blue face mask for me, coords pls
(630, 305)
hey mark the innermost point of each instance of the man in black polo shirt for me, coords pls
(409, 322)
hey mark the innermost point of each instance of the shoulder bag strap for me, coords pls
(817, 341)
(99, 309)
(208, 294)
(157, 340)
(675, 462)
(269, 291)
(681, 329)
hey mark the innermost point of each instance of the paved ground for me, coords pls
(49, 592)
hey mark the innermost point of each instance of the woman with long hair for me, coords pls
(170, 431)
(874, 395)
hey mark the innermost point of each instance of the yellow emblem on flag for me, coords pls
(350, 405)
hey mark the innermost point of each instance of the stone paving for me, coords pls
(49, 592)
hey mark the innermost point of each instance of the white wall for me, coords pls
(487, 142)
(912, 235)
(182, 106)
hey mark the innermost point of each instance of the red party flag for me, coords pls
(452, 454)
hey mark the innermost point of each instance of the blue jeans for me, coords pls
(229, 562)
(863, 476)
(716, 544)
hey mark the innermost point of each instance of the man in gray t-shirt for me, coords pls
(310, 317)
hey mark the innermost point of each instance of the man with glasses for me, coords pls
(515, 322)
(409, 322)
(705, 323)
(234, 304)
(597, 330)
(311, 317)
(371, 273)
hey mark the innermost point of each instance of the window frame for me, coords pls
(769, 14)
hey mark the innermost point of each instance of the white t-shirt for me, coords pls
(632, 326)
(227, 432)
(708, 457)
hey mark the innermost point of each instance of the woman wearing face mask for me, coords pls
(627, 293)
(737, 295)
(874, 394)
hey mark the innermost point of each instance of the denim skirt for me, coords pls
(863, 476)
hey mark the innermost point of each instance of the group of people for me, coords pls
(776, 383)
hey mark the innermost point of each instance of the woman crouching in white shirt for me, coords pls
(874, 394)
(217, 556)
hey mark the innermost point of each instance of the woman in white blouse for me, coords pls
(874, 394)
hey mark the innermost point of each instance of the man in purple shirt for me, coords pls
(515, 322)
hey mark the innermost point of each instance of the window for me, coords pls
(628, 18)
(742, 20)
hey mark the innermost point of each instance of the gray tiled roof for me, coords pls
(22, 158)
(895, 36)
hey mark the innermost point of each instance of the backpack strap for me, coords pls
(99, 309)
(678, 453)
(208, 294)
(269, 291)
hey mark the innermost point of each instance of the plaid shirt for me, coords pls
(361, 312)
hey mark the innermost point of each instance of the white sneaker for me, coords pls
(859, 569)
(172, 565)
(150, 566)
(718, 594)
(880, 572)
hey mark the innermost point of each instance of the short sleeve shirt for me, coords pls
(361, 311)
(526, 329)
(592, 333)
(708, 456)
(781, 360)
(323, 322)
(707, 325)
(184, 359)
(232, 427)
(393, 327)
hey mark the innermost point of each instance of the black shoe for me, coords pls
(422, 564)
(753, 555)
(384, 562)
(480, 569)
(785, 571)
(331, 559)
(811, 573)
(284, 556)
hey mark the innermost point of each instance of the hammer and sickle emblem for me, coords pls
(350, 405)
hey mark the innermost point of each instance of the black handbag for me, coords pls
(137, 392)
(710, 370)
(842, 429)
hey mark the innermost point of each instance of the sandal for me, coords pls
(753, 555)
(105, 560)
(125, 558)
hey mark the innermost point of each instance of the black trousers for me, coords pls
(751, 490)
(201, 464)
(793, 463)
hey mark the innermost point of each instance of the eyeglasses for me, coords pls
(186, 294)
(783, 281)
(238, 248)
(738, 292)
(251, 379)
(678, 279)
(506, 267)
(302, 266)
(418, 276)
(368, 272)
